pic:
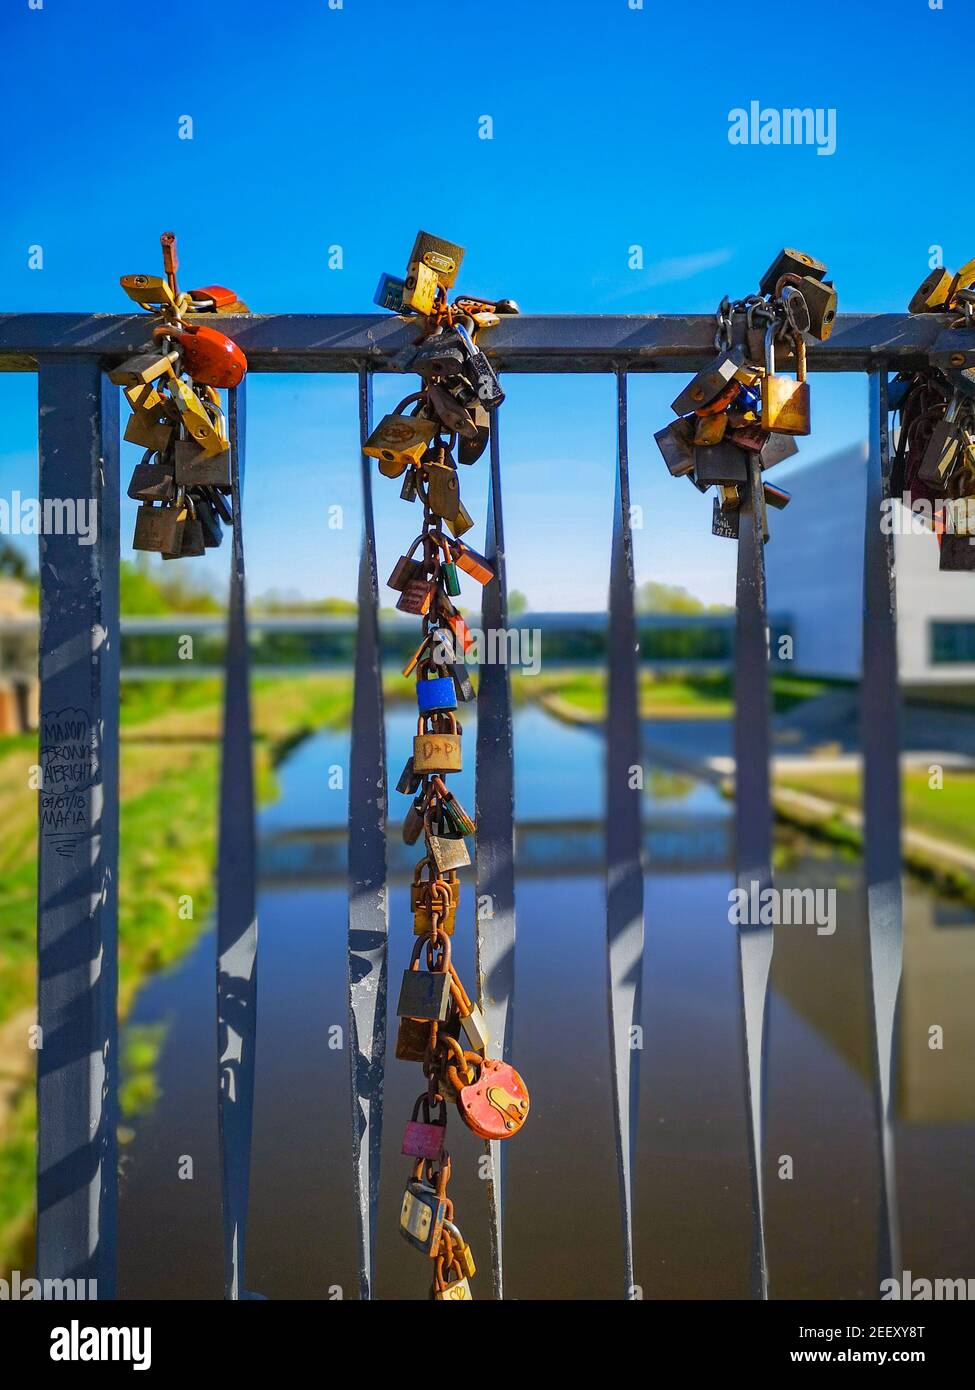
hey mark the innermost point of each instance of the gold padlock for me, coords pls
(399, 440)
(710, 429)
(932, 293)
(437, 750)
(150, 429)
(148, 290)
(207, 434)
(456, 1291)
(961, 280)
(144, 368)
(442, 257)
(420, 288)
(785, 403)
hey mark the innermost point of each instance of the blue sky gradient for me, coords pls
(315, 127)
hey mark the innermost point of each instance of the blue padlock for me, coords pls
(389, 293)
(748, 399)
(434, 696)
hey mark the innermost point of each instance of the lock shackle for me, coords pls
(415, 396)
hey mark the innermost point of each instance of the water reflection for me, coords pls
(692, 1226)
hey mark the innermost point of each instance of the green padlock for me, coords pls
(450, 580)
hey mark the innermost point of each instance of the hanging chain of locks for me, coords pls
(184, 480)
(739, 404)
(459, 390)
(934, 457)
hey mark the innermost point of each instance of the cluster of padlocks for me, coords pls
(440, 1026)
(740, 407)
(183, 482)
(934, 461)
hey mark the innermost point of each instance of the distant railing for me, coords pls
(78, 836)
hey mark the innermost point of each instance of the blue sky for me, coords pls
(315, 127)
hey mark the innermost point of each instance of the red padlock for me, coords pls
(210, 358)
(495, 1105)
(218, 294)
(424, 1138)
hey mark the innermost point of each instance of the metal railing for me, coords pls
(78, 838)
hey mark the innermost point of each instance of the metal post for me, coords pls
(236, 900)
(753, 836)
(77, 1083)
(368, 907)
(880, 714)
(624, 869)
(495, 816)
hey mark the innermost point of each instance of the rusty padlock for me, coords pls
(495, 1105)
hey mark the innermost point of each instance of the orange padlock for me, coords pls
(210, 357)
(218, 295)
(494, 1105)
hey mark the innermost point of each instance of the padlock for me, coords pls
(433, 696)
(191, 539)
(469, 450)
(450, 578)
(454, 1289)
(785, 403)
(790, 262)
(146, 367)
(443, 257)
(407, 569)
(495, 1105)
(439, 355)
(443, 489)
(460, 524)
(408, 489)
(150, 429)
(444, 893)
(389, 293)
(941, 455)
(448, 852)
(820, 298)
(725, 523)
(422, 1216)
(931, 296)
(454, 817)
(451, 411)
(676, 443)
(425, 1138)
(710, 429)
(722, 463)
(462, 1251)
(408, 780)
(776, 497)
(462, 681)
(420, 288)
(195, 467)
(751, 437)
(437, 750)
(960, 282)
(205, 431)
(152, 482)
(214, 296)
(463, 637)
(148, 290)
(399, 440)
(796, 308)
(479, 372)
(471, 1019)
(158, 529)
(412, 1039)
(709, 383)
(210, 523)
(413, 823)
(776, 449)
(957, 553)
(209, 357)
(417, 596)
(425, 994)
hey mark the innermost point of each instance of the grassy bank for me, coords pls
(582, 694)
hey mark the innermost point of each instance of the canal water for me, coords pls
(692, 1219)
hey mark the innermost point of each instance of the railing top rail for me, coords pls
(526, 343)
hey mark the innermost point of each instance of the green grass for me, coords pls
(583, 692)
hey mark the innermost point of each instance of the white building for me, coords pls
(814, 563)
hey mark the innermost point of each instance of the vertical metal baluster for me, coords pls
(753, 837)
(236, 898)
(368, 906)
(880, 714)
(624, 869)
(495, 815)
(77, 910)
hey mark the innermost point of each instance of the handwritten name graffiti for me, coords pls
(69, 763)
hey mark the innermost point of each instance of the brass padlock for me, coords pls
(931, 295)
(148, 290)
(405, 571)
(437, 749)
(152, 482)
(425, 994)
(425, 893)
(412, 1039)
(198, 424)
(676, 443)
(443, 488)
(420, 288)
(144, 368)
(159, 529)
(961, 280)
(398, 441)
(785, 403)
(461, 523)
(710, 429)
(448, 852)
(150, 429)
(443, 257)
